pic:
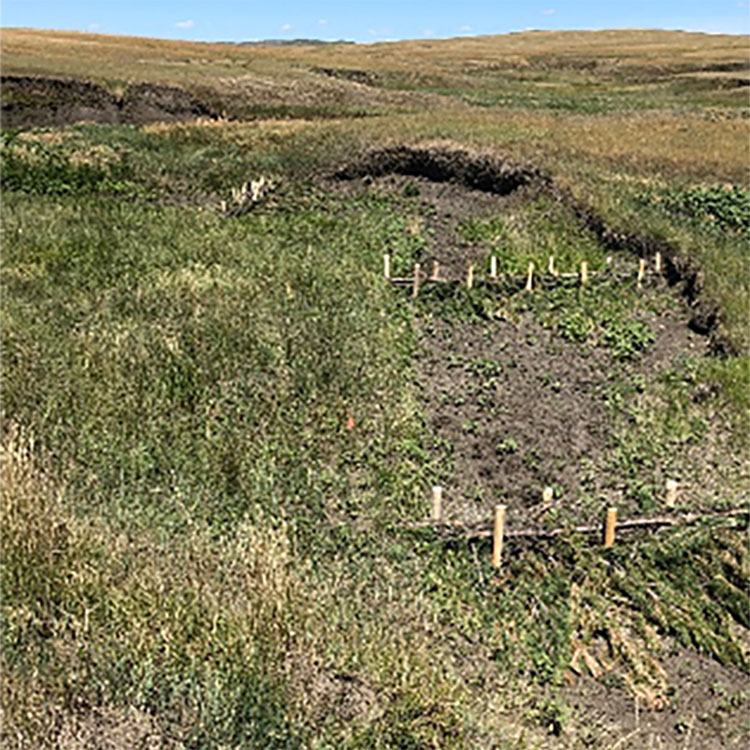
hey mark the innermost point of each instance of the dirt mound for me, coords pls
(43, 102)
(472, 170)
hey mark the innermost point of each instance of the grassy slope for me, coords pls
(195, 545)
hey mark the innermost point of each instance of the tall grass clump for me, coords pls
(94, 619)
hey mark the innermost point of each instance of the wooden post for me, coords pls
(530, 277)
(415, 288)
(493, 267)
(497, 536)
(387, 266)
(657, 263)
(435, 270)
(641, 271)
(437, 502)
(671, 498)
(470, 275)
(584, 272)
(609, 528)
(551, 265)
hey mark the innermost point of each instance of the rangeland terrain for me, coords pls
(221, 424)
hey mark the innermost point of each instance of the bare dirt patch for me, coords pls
(513, 407)
(520, 409)
(709, 709)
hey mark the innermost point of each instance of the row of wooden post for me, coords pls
(583, 275)
(498, 529)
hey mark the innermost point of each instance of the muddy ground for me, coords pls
(513, 408)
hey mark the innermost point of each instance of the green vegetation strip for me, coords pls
(211, 438)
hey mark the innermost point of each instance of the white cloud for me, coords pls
(323, 22)
(372, 32)
(287, 27)
(428, 32)
(464, 28)
(185, 24)
(550, 12)
(94, 27)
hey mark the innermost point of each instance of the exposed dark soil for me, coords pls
(513, 408)
(472, 170)
(42, 102)
(709, 709)
(523, 409)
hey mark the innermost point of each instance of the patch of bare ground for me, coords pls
(709, 709)
(513, 407)
(521, 409)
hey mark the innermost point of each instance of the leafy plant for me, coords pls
(725, 206)
(627, 337)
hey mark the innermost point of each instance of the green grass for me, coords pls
(190, 529)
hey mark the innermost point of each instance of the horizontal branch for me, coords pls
(545, 279)
(484, 530)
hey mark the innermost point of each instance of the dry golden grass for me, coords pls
(224, 606)
(699, 143)
(109, 57)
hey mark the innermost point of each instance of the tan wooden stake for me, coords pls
(437, 503)
(530, 277)
(435, 270)
(497, 536)
(584, 272)
(551, 265)
(609, 528)
(657, 263)
(671, 498)
(470, 275)
(547, 495)
(415, 288)
(493, 267)
(641, 271)
(387, 266)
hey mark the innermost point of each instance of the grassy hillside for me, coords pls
(221, 424)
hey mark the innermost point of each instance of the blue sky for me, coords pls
(367, 20)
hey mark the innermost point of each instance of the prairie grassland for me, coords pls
(212, 436)
(96, 55)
